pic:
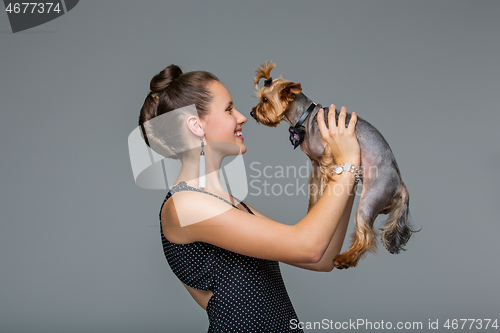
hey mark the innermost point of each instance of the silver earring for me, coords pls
(202, 182)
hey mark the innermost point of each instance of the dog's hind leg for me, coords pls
(375, 196)
(397, 229)
(364, 238)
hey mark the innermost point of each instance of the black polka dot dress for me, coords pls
(248, 293)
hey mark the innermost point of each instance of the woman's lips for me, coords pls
(238, 134)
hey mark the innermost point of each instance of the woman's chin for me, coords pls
(241, 145)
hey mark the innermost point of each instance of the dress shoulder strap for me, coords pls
(183, 186)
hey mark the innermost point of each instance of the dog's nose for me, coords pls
(252, 113)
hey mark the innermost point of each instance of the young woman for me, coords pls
(223, 250)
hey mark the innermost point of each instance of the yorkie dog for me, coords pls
(383, 189)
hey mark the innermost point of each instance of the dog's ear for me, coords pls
(290, 90)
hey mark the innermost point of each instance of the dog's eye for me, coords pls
(264, 99)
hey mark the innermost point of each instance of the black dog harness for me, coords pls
(298, 132)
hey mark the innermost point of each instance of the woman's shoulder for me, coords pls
(182, 209)
(185, 207)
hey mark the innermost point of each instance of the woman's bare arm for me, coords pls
(335, 246)
(256, 236)
(193, 216)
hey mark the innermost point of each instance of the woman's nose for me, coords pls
(241, 118)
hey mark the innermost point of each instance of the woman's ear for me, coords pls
(194, 125)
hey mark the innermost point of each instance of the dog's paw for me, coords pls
(341, 262)
(338, 265)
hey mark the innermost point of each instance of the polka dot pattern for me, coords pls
(249, 293)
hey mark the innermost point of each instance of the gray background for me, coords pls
(79, 241)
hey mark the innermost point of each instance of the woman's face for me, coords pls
(223, 123)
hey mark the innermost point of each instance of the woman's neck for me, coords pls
(190, 170)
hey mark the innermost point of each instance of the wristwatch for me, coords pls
(348, 167)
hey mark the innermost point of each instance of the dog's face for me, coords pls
(274, 97)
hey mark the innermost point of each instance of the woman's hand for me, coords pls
(341, 140)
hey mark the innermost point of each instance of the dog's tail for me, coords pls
(398, 228)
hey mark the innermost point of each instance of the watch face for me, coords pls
(338, 170)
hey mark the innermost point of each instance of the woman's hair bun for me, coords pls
(161, 80)
(165, 96)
